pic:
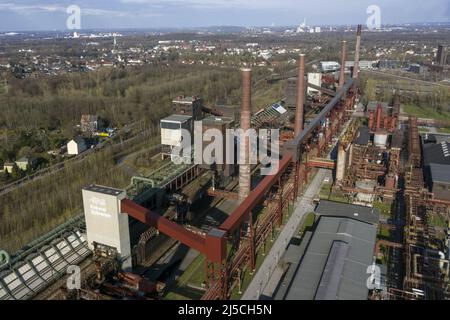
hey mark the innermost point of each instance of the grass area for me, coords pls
(426, 112)
(443, 130)
(424, 130)
(384, 207)
(325, 191)
(308, 222)
(194, 275)
(384, 232)
(269, 94)
(436, 220)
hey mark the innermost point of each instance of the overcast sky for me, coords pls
(20, 15)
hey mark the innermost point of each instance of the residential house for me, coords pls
(76, 146)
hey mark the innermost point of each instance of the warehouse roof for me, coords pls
(440, 173)
(397, 140)
(104, 190)
(335, 263)
(437, 153)
(217, 120)
(360, 213)
(363, 136)
(183, 99)
(176, 118)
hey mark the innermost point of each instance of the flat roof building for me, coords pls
(171, 131)
(189, 106)
(331, 262)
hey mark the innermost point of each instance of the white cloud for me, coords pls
(222, 4)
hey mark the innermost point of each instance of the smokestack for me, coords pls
(245, 168)
(300, 96)
(343, 58)
(357, 52)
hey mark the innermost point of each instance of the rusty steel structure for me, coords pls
(299, 112)
(426, 269)
(383, 119)
(415, 155)
(232, 248)
(246, 234)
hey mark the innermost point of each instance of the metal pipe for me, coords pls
(299, 111)
(379, 114)
(343, 58)
(245, 168)
(371, 120)
(357, 53)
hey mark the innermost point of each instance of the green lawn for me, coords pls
(444, 130)
(437, 220)
(384, 232)
(194, 275)
(425, 112)
(3, 88)
(325, 190)
(384, 207)
(308, 222)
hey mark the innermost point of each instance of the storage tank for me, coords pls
(380, 139)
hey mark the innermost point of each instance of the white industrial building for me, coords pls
(76, 146)
(106, 226)
(171, 131)
(329, 66)
(315, 79)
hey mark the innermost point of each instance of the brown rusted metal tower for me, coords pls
(299, 111)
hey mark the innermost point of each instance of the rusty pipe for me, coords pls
(379, 115)
(299, 111)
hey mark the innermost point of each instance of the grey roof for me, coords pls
(397, 140)
(335, 263)
(217, 120)
(177, 118)
(437, 153)
(104, 190)
(363, 136)
(79, 140)
(183, 99)
(360, 213)
(440, 173)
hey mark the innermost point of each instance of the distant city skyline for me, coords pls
(47, 15)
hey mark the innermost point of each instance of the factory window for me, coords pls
(170, 125)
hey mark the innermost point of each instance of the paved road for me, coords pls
(269, 274)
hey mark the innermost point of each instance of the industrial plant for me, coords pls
(223, 222)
